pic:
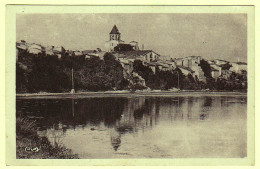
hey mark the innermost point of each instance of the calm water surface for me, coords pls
(143, 127)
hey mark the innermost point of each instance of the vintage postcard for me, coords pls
(130, 85)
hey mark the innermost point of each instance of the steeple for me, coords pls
(114, 34)
(114, 30)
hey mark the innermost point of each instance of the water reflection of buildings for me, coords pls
(143, 113)
(124, 118)
(138, 113)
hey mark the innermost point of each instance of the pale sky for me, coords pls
(212, 36)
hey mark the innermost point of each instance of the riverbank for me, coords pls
(29, 145)
(129, 94)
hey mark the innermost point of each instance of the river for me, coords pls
(143, 126)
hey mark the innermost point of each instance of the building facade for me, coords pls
(190, 65)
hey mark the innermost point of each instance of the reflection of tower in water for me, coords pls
(116, 141)
(127, 122)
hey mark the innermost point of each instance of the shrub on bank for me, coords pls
(26, 137)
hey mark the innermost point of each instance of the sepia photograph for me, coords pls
(147, 85)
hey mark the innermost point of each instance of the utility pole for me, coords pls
(178, 79)
(72, 81)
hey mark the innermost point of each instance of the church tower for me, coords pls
(114, 34)
(114, 39)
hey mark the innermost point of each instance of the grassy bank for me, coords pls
(31, 146)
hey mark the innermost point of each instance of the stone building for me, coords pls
(143, 55)
(238, 67)
(220, 62)
(215, 73)
(191, 64)
(215, 67)
(189, 61)
(134, 44)
(55, 50)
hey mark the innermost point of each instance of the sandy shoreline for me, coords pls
(128, 94)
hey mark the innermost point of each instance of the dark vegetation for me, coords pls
(236, 81)
(26, 137)
(40, 73)
(123, 47)
(205, 68)
(164, 80)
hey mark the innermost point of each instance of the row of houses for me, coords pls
(223, 69)
(34, 48)
(188, 65)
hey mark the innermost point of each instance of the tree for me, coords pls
(205, 68)
(114, 70)
(123, 47)
(49, 74)
(226, 66)
(146, 73)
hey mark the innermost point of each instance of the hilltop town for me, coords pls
(144, 69)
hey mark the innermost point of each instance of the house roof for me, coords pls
(178, 59)
(213, 69)
(97, 54)
(57, 49)
(186, 68)
(241, 63)
(132, 54)
(154, 64)
(21, 46)
(220, 60)
(114, 30)
(84, 52)
(183, 58)
(69, 51)
(168, 62)
(125, 61)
